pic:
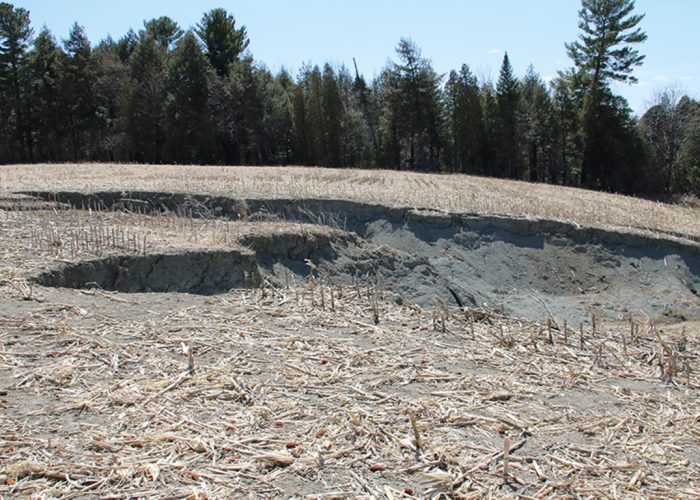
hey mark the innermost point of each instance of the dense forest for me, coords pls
(165, 95)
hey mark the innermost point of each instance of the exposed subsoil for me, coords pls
(522, 267)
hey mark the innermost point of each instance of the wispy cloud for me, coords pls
(660, 78)
(548, 78)
(495, 51)
(686, 78)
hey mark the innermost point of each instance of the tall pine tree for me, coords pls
(164, 31)
(145, 101)
(78, 81)
(276, 131)
(508, 98)
(45, 98)
(223, 42)
(15, 36)
(465, 120)
(604, 52)
(187, 120)
(414, 107)
(567, 102)
(333, 118)
(539, 128)
(112, 79)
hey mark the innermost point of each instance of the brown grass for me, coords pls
(454, 193)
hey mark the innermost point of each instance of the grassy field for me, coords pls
(454, 193)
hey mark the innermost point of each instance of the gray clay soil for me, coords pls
(525, 268)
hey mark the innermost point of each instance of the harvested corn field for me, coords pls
(282, 396)
(183, 347)
(451, 193)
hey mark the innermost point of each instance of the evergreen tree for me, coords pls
(112, 79)
(604, 52)
(465, 120)
(164, 31)
(360, 89)
(333, 118)
(237, 110)
(222, 119)
(248, 111)
(539, 128)
(78, 104)
(126, 45)
(45, 96)
(15, 35)
(312, 139)
(301, 140)
(224, 43)
(687, 175)
(365, 117)
(312, 85)
(567, 101)
(620, 150)
(356, 142)
(605, 49)
(277, 121)
(188, 131)
(144, 107)
(414, 108)
(508, 98)
(387, 106)
(490, 144)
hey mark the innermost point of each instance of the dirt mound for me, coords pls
(524, 267)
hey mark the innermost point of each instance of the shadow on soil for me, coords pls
(529, 268)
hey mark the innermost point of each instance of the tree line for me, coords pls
(166, 95)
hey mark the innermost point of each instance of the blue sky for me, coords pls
(449, 32)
